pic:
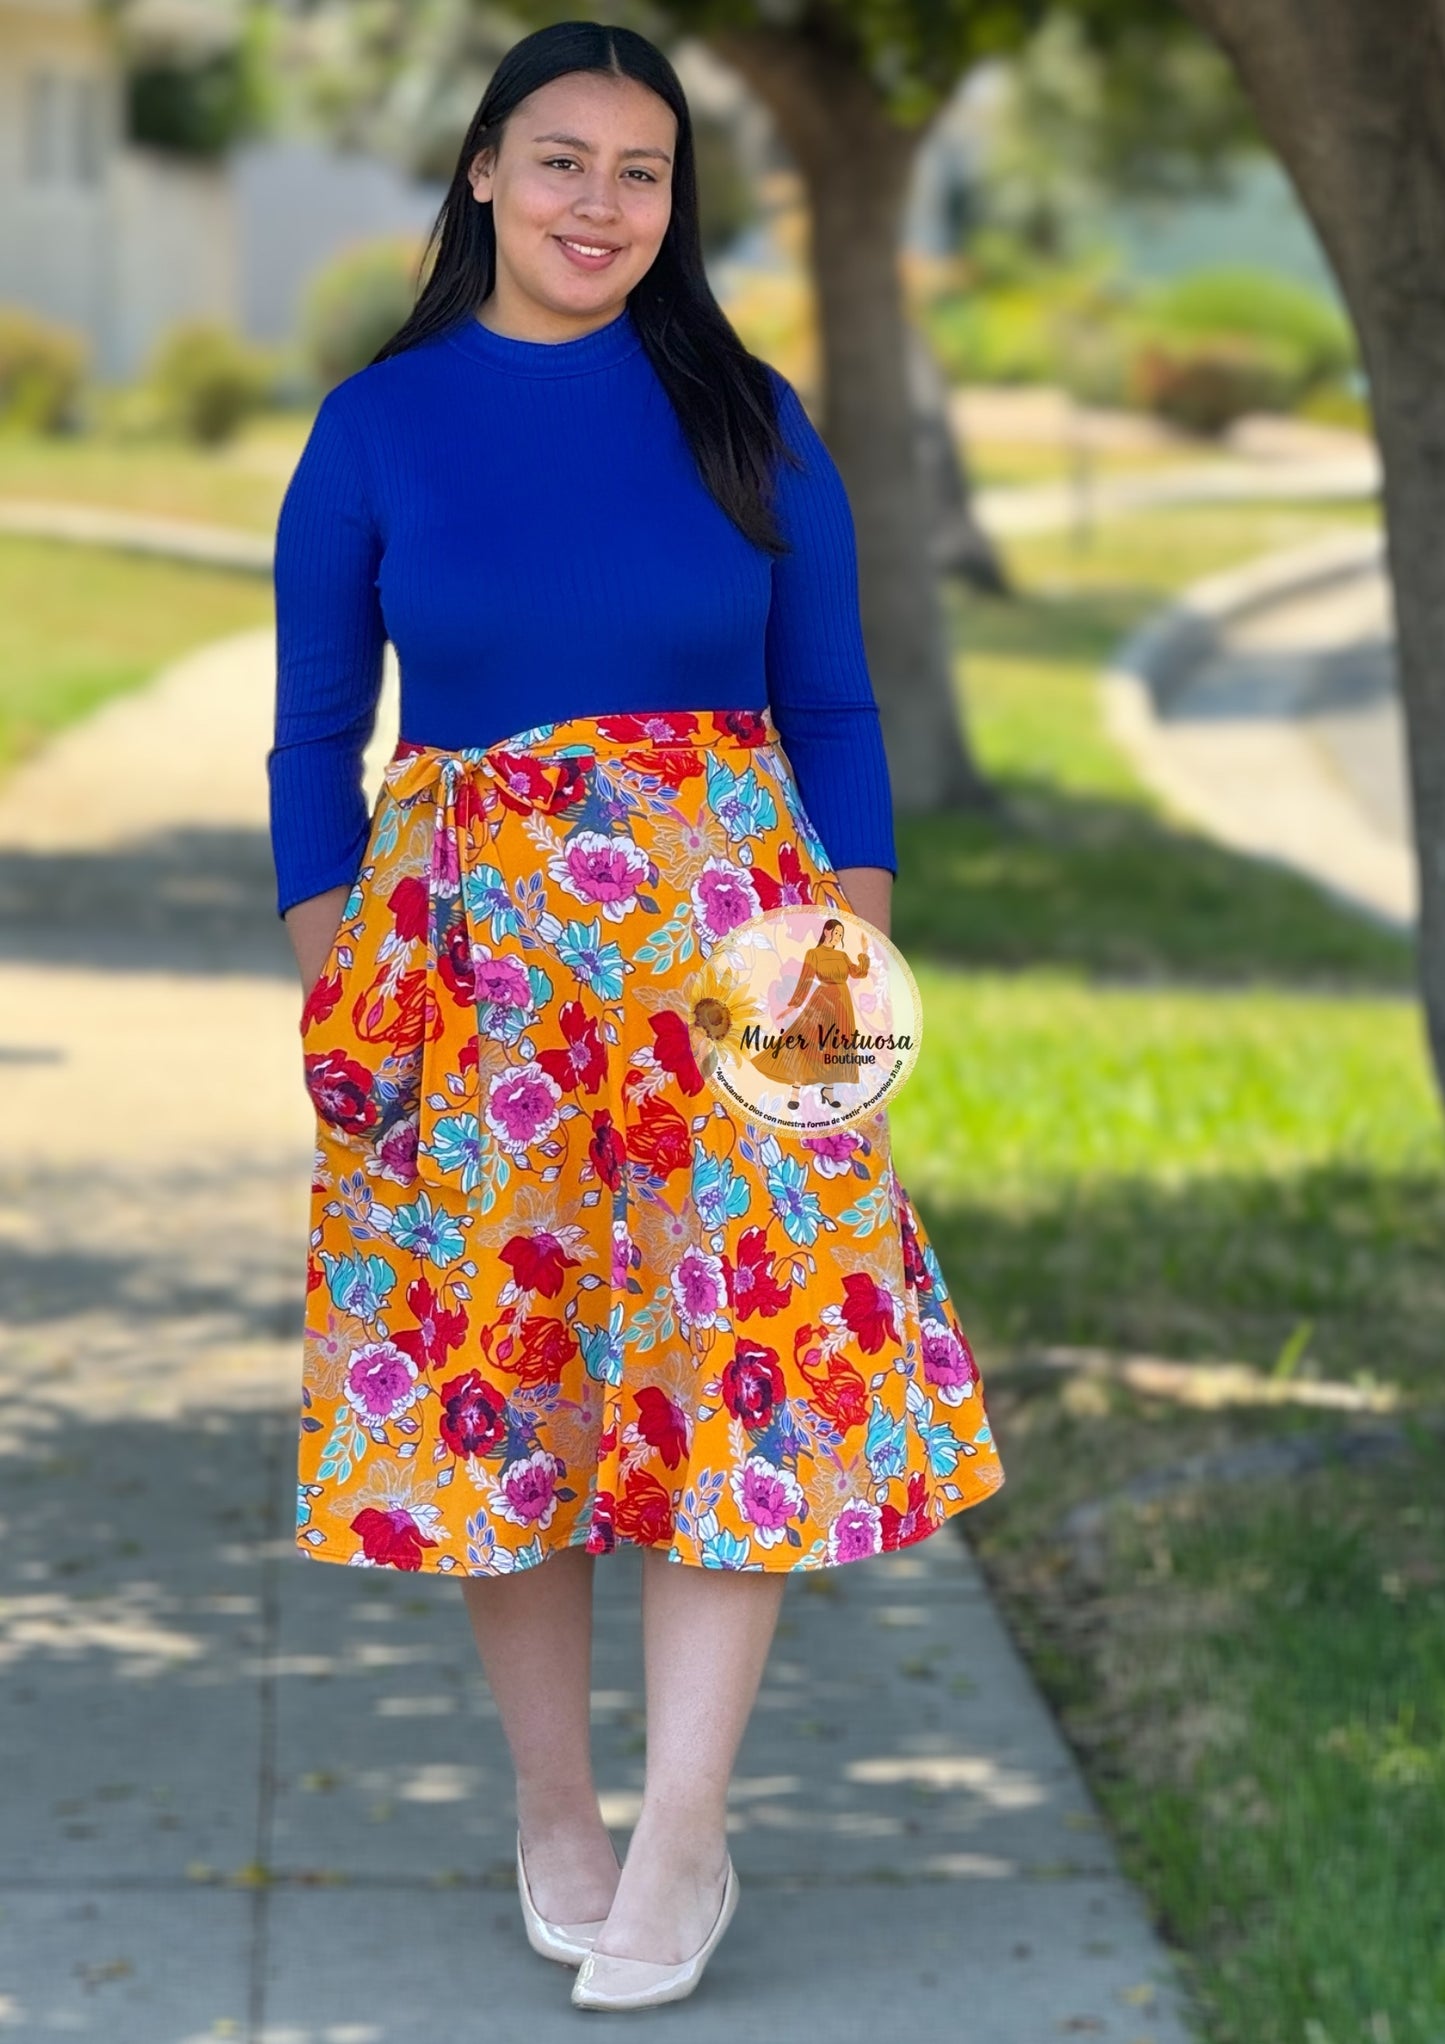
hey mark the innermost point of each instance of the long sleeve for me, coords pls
(819, 686)
(806, 975)
(330, 642)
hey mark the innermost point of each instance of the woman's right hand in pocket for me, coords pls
(313, 925)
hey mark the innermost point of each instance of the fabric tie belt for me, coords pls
(463, 926)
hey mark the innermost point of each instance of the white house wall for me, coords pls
(174, 251)
(113, 241)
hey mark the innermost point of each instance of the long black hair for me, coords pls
(721, 393)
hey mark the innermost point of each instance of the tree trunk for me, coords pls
(960, 545)
(1351, 95)
(855, 163)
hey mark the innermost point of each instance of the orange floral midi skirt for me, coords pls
(558, 1293)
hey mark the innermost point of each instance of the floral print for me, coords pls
(558, 1293)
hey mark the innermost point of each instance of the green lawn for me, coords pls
(238, 484)
(1173, 1103)
(79, 624)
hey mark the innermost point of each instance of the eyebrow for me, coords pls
(576, 142)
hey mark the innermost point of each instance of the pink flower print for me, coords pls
(834, 1152)
(622, 1255)
(396, 1152)
(767, 1497)
(699, 1288)
(948, 1363)
(503, 980)
(522, 1107)
(723, 895)
(856, 1532)
(444, 868)
(526, 1491)
(380, 1382)
(603, 870)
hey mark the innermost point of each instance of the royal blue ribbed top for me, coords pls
(525, 521)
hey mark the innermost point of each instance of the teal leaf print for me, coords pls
(868, 1213)
(359, 1285)
(669, 945)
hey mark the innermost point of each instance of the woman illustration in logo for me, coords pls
(816, 1050)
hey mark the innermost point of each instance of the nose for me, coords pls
(597, 199)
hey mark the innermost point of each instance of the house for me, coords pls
(114, 240)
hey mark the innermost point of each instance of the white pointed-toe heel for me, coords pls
(568, 1943)
(606, 1980)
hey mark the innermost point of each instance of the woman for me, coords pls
(558, 1297)
(800, 1056)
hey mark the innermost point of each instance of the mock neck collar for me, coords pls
(599, 349)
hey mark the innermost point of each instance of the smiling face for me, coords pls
(581, 194)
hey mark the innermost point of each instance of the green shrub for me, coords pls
(1032, 330)
(206, 380)
(356, 303)
(1205, 385)
(42, 369)
(1304, 329)
(1336, 404)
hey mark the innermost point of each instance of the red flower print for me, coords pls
(549, 785)
(662, 727)
(792, 886)
(454, 964)
(537, 1263)
(392, 1539)
(341, 1088)
(868, 1311)
(661, 1423)
(645, 1512)
(601, 1535)
(607, 1149)
(659, 1138)
(438, 1328)
(321, 999)
(546, 1348)
(899, 1528)
(752, 1288)
(746, 726)
(752, 1384)
(406, 1018)
(915, 1270)
(584, 1062)
(672, 767)
(672, 1047)
(472, 1412)
(836, 1389)
(409, 902)
(469, 802)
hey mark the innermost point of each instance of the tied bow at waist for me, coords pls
(470, 978)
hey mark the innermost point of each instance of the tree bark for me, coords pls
(961, 547)
(855, 163)
(1351, 95)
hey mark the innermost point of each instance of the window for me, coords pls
(42, 126)
(65, 128)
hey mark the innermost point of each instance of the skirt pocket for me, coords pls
(362, 1024)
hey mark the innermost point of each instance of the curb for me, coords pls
(1151, 666)
(1168, 646)
(180, 539)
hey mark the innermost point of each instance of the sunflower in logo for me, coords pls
(715, 1004)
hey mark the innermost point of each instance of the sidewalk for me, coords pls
(1264, 706)
(254, 1796)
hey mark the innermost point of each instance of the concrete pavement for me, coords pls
(1264, 706)
(253, 1796)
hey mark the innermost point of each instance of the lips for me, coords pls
(586, 255)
